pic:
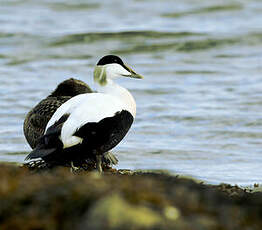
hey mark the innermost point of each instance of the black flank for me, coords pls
(104, 135)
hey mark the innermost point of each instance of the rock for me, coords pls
(171, 213)
(57, 199)
(113, 212)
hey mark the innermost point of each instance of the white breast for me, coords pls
(121, 94)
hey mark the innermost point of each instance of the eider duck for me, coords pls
(91, 124)
(38, 117)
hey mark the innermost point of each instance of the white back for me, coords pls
(84, 108)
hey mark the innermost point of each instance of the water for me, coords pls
(199, 106)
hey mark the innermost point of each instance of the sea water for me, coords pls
(199, 107)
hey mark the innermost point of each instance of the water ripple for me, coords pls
(198, 108)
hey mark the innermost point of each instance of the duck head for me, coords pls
(111, 67)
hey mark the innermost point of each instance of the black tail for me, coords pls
(47, 144)
(39, 153)
(50, 142)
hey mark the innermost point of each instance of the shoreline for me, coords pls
(121, 199)
(255, 186)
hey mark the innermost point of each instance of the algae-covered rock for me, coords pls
(57, 199)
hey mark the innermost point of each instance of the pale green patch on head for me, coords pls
(100, 75)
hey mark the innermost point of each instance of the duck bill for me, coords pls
(132, 74)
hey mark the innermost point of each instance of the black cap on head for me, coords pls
(110, 59)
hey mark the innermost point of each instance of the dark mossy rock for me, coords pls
(58, 199)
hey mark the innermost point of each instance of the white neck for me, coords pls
(121, 93)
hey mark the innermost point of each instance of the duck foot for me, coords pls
(99, 163)
(110, 159)
(73, 168)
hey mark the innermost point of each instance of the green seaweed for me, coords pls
(210, 9)
(126, 35)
